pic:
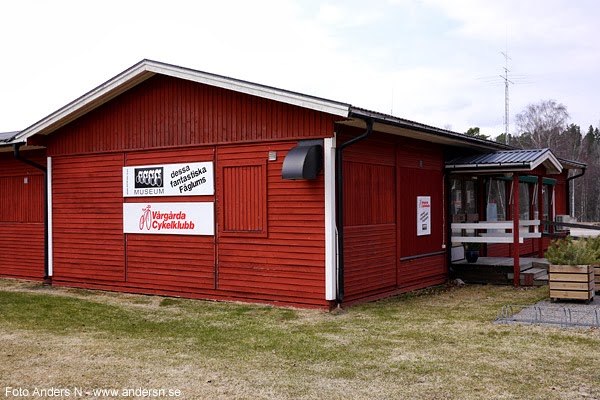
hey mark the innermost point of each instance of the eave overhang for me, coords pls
(411, 129)
(506, 161)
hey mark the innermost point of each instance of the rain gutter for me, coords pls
(339, 298)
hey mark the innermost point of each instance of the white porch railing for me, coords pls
(493, 231)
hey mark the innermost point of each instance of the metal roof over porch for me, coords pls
(507, 161)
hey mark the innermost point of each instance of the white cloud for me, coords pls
(425, 59)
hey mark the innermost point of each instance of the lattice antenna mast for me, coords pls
(506, 98)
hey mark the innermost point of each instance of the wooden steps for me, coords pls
(534, 277)
(497, 270)
(533, 274)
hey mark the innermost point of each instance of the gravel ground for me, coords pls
(563, 313)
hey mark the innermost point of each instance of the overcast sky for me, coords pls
(433, 61)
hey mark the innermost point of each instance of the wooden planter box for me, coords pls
(571, 282)
(597, 275)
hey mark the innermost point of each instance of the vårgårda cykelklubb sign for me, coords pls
(189, 179)
(169, 218)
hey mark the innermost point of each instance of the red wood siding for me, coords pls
(22, 199)
(498, 250)
(22, 216)
(420, 155)
(22, 250)
(88, 218)
(421, 173)
(370, 259)
(369, 195)
(369, 217)
(383, 176)
(413, 183)
(182, 263)
(288, 265)
(170, 262)
(169, 112)
(21, 188)
(560, 194)
(244, 197)
(529, 247)
(11, 167)
(422, 272)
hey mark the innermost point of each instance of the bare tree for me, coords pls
(541, 125)
(545, 125)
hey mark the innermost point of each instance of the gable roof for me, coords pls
(507, 161)
(145, 69)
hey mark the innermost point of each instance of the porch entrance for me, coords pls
(498, 203)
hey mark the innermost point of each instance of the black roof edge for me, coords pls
(573, 164)
(356, 112)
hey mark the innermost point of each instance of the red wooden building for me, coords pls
(173, 181)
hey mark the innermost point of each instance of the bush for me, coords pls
(594, 244)
(571, 252)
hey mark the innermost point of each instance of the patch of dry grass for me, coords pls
(433, 344)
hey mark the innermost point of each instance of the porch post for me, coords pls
(516, 245)
(540, 206)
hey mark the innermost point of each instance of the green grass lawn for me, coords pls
(433, 344)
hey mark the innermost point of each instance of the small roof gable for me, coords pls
(507, 161)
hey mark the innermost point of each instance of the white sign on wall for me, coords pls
(188, 179)
(169, 218)
(423, 215)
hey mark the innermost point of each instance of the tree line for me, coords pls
(546, 125)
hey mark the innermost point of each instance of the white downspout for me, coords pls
(49, 194)
(330, 230)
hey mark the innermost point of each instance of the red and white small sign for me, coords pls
(423, 215)
(169, 218)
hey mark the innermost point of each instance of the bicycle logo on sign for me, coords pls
(146, 218)
(149, 177)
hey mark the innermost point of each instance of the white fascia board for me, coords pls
(488, 171)
(90, 100)
(297, 99)
(147, 68)
(330, 227)
(49, 194)
(550, 159)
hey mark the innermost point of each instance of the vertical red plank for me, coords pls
(540, 202)
(516, 243)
